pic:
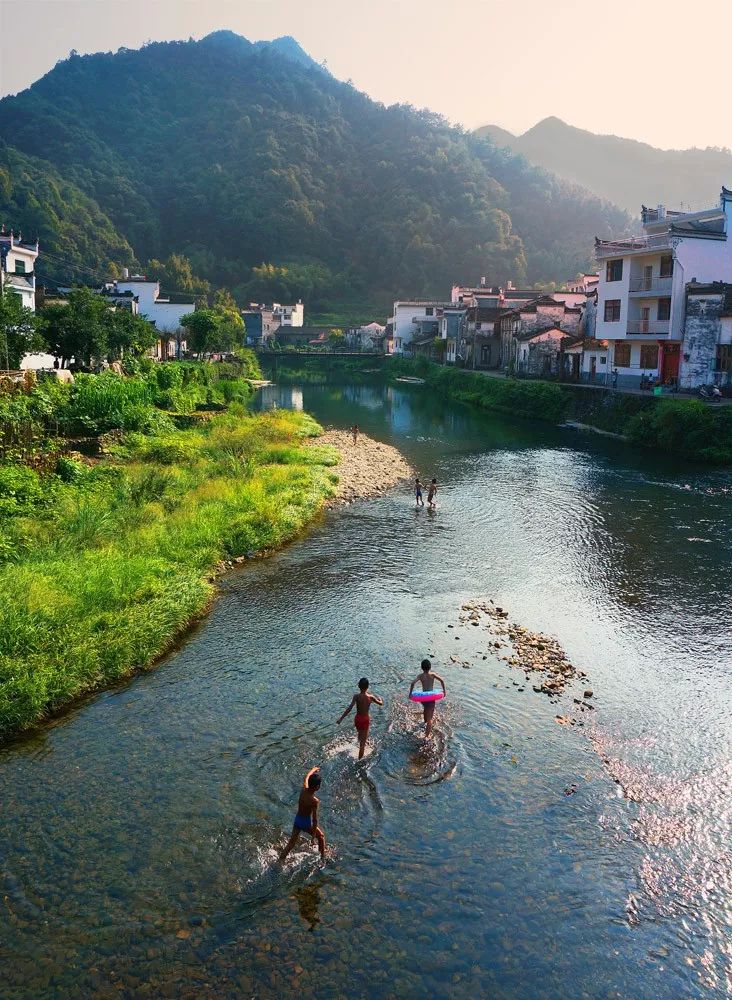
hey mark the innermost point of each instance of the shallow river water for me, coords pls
(511, 857)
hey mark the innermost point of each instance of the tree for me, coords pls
(176, 275)
(129, 333)
(337, 340)
(18, 331)
(81, 330)
(204, 328)
(224, 301)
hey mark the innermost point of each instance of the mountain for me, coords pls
(239, 155)
(78, 239)
(627, 172)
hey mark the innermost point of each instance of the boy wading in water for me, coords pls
(306, 818)
(431, 494)
(418, 494)
(363, 701)
(427, 679)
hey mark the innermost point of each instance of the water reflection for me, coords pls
(137, 837)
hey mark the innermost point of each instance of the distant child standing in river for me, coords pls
(306, 817)
(363, 701)
(418, 494)
(431, 494)
(427, 679)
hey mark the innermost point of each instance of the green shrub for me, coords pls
(690, 428)
(536, 400)
(69, 470)
(20, 489)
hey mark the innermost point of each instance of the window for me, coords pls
(649, 356)
(622, 355)
(603, 361)
(429, 311)
(667, 266)
(612, 310)
(614, 270)
(664, 308)
(20, 267)
(724, 358)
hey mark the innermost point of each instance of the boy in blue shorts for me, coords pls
(306, 817)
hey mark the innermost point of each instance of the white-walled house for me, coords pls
(18, 266)
(642, 289)
(165, 312)
(413, 320)
(289, 315)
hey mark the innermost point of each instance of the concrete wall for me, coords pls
(702, 333)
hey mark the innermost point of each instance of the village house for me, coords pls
(642, 293)
(706, 350)
(18, 267)
(370, 337)
(164, 312)
(585, 360)
(539, 352)
(584, 283)
(263, 323)
(413, 325)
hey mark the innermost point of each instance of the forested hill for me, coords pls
(237, 154)
(627, 172)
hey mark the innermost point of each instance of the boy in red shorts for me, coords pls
(363, 701)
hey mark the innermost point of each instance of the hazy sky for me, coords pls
(655, 70)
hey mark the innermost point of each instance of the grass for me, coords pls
(101, 568)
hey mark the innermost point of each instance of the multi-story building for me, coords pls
(414, 320)
(642, 288)
(289, 315)
(17, 267)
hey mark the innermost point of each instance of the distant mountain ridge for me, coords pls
(239, 154)
(626, 172)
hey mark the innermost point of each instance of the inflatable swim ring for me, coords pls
(425, 696)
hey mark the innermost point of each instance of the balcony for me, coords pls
(648, 328)
(651, 286)
(633, 244)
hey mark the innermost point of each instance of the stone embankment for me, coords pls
(367, 468)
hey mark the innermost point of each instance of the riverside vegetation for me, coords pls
(103, 563)
(688, 428)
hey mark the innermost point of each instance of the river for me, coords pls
(511, 857)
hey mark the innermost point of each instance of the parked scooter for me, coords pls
(711, 393)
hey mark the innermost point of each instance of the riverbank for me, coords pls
(366, 469)
(110, 562)
(107, 561)
(687, 428)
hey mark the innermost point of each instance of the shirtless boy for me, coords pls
(418, 494)
(363, 701)
(427, 678)
(431, 494)
(306, 818)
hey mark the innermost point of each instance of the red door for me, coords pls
(670, 357)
